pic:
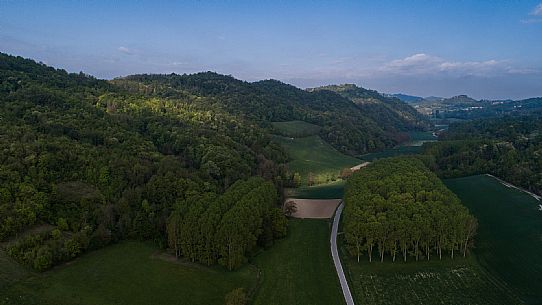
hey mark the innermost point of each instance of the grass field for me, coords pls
(509, 241)
(299, 270)
(417, 138)
(457, 282)
(296, 129)
(412, 147)
(128, 273)
(312, 154)
(392, 152)
(323, 191)
(10, 271)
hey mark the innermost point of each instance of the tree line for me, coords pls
(508, 147)
(227, 228)
(398, 207)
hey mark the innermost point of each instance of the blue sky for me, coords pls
(487, 49)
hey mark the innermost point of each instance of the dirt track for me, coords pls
(359, 166)
(315, 208)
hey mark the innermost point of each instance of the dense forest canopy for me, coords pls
(349, 127)
(397, 206)
(100, 164)
(87, 162)
(508, 147)
(390, 112)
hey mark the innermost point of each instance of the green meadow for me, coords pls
(128, 273)
(313, 155)
(299, 270)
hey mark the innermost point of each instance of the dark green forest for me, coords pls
(389, 112)
(398, 207)
(87, 163)
(508, 147)
(350, 127)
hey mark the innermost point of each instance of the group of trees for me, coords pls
(509, 147)
(93, 159)
(397, 207)
(227, 228)
(45, 249)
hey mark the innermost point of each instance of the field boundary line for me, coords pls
(508, 184)
(335, 255)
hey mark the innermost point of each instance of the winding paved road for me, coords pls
(336, 260)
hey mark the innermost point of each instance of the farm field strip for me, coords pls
(510, 225)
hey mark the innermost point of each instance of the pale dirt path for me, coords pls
(314, 208)
(359, 166)
(336, 259)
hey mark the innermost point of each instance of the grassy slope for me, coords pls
(509, 242)
(324, 191)
(312, 154)
(296, 128)
(127, 273)
(299, 270)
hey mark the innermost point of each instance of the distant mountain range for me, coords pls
(465, 107)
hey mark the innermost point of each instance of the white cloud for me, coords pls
(125, 50)
(537, 11)
(424, 64)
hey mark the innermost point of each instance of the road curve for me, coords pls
(335, 254)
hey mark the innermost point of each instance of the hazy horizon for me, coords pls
(487, 50)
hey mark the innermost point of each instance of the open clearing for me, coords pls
(314, 155)
(414, 146)
(298, 269)
(314, 208)
(509, 240)
(296, 129)
(322, 191)
(128, 273)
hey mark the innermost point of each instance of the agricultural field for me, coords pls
(128, 273)
(455, 282)
(417, 138)
(509, 243)
(392, 152)
(412, 147)
(313, 155)
(295, 129)
(299, 270)
(322, 191)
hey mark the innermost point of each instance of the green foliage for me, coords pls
(510, 148)
(225, 229)
(345, 125)
(397, 206)
(98, 160)
(391, 113)
(236, 297)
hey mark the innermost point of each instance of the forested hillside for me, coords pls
(390, 112)
(509, 147)
(350, 128)
(87, 163)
